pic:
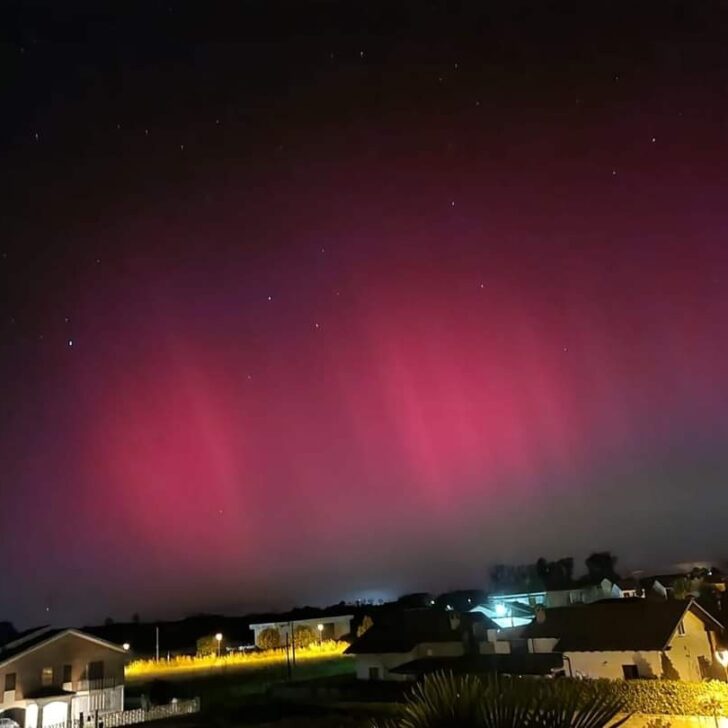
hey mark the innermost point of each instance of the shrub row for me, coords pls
(669, 697)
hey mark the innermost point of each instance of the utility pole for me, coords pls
(288, 659)
(293, 642)
(157, 642)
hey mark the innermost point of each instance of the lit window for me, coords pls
(46, 676)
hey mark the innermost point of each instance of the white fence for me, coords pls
(156, 712)
(119, 718)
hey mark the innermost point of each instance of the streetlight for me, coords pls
(320, 628)
(218, 637)
(126, 646)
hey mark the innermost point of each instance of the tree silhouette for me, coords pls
(556, 574)
(600, 565)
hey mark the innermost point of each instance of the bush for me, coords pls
(269, 639)
(664, 697)
(304, 635)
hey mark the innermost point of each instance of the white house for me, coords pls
(407, 635)
(52, 676)
(327, 627)
(628, 638)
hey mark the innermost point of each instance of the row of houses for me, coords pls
(621, 638)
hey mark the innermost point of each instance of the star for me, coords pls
(37, 136)
(270, 298)
(70, 343)
(653, 140)
(361, 54)
(614, 171)
(317, 325)
(146, 132)
(452, 203)
(182, 147)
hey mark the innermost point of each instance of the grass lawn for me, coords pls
(236, 695)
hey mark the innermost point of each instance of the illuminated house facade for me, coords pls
(50, 677)
(517, 609)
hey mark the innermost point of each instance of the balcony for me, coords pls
(101, 683)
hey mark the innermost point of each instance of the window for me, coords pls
(67, 672)
(10, 682)
(630, 672)
(46, 676)
(374, 673)
(96, 670)
(681, 628)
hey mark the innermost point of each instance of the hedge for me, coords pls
(668, 697)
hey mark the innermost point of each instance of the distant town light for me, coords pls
(126, 646)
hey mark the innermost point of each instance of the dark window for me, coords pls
(10, 681)
(374, 673)
(630, 672)
(46, 676)
(96, 670)
(67, 673)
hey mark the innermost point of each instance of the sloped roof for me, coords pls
(405, 629)
(616, 624)
(26, 640)
(32, 639)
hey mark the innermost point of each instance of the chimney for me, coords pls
(540, 613)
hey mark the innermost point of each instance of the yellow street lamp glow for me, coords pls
(320, 627)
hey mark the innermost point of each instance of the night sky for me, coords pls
(318, 300)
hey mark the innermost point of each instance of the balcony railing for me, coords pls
(98, 684)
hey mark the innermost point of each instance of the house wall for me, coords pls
(66, 650)
(608, 664)
(384, 663)
(686, 650)
(388, 661)
(542, 644)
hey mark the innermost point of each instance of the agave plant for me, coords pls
(445, 700)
